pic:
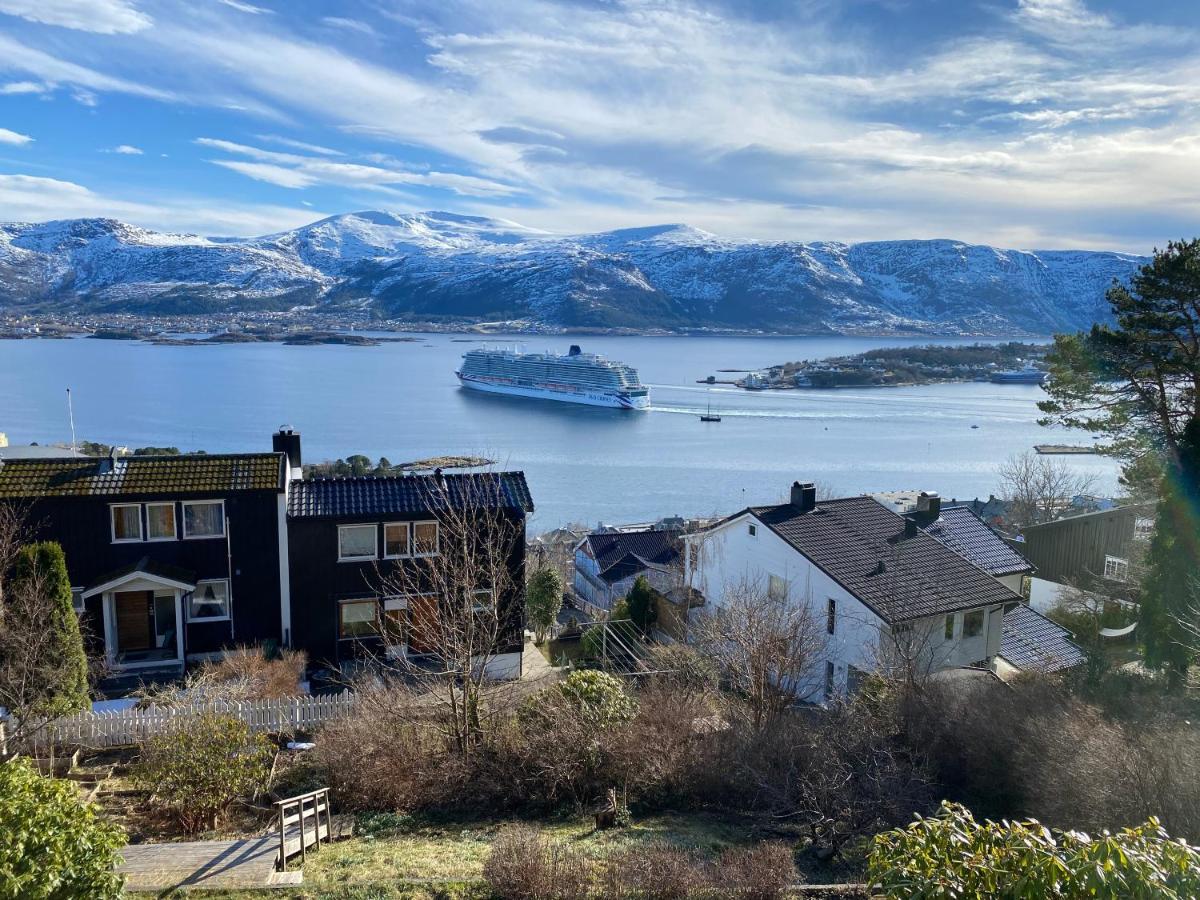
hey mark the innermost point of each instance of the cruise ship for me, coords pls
(1028, 375)
(577, 377)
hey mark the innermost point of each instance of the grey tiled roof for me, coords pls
(968, 535)
(656, 546)
(862, 545)
(370, 495)
(1031, 641)
(142, 475)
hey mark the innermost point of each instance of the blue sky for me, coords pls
(1026, 123)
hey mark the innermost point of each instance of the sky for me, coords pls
(1019, 123)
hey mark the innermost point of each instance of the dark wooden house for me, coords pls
(175, 559)
(1090, 550)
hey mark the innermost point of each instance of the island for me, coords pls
(899, 367)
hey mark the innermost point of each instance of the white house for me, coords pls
(889, 593)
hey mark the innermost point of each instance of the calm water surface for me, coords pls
(585, 464)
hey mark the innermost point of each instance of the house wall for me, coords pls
(319, 581)
(1073, 549)
(727, 557)
(82, 525)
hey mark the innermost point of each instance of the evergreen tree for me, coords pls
(640, 601)
(543, 600)
(59, 685)
(1138, 382)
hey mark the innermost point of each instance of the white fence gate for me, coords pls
(132, 726)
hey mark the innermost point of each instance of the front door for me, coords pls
(135, 617)
(422, 624)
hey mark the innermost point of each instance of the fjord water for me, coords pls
(584, 464)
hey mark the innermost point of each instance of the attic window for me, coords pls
(752, 529)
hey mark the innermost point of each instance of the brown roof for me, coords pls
(863, 546)
(142, 475)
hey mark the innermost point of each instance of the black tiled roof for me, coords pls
(1031, 641)
(371, 495)
(653, 547)
(969, 536)
(863, 546)
(136, 475)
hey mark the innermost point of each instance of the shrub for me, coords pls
(640, 601)
(598, 697)
(762, 872)
(657, 871)
(543, 600)
(53, 847)
(953, 856)
(251, 673)
(684, 668)
(200, 766)
(524, 865)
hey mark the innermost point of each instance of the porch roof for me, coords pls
(144, 569)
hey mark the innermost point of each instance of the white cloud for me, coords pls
(299, 145)
(99, 16)
(36, 199)
(13, 137)
(17, 57)
(349, 25)
(23, 87)
(126, 150)
(249, 8)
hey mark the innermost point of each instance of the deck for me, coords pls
(245, 863)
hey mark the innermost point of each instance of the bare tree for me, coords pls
(1039, 488)
(767, 645)
(458, 602)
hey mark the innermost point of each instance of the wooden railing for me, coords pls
(294, 814)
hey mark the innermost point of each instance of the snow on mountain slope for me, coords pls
(444, 264)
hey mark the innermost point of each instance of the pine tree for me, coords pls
(640, 600)
(60, 684)
(543, 600)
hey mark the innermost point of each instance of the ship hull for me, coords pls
(608, 399)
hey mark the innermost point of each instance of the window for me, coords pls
(1143, 527)
(160, 521)
(77, 599)
(831, 616)
(1116, 568)
(395, 540)
(776, 587)
(356, 542)
(973, 623)
(483, 600)
(829, 679)
(203, 518)
(126, 522)
(948, 631)
(425, 539)
(358, 619)
(752, 528)
(209, 602)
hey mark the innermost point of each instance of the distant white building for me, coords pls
(890, 593)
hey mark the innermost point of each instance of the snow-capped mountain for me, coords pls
(439, 264)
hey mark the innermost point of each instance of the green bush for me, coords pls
(198, 768)
(53, 846)
(599, 698)
(543, 600)
(951, 855)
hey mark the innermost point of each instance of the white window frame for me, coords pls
(488, 606)
(437, 541)
(174, 521)
(1116, 568)
(201, 537)
(1143, 527)
(374, 553)
(112, 523)
(199, 589)
(77, 602)
(379, 610)
(407, 526)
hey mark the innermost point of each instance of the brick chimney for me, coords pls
(804, 496)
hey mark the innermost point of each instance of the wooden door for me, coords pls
(422, 624)
(134, 617)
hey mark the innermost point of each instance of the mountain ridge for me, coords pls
(437, 265)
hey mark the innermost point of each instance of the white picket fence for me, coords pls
(132, 726)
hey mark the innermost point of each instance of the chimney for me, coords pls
(804, 496)
(910, 527)
(929, 506)
(285, 440)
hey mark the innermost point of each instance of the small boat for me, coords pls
(710, 416)
(974, 426)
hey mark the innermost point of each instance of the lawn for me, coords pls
(451, 854)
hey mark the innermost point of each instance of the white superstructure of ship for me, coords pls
(577, 377)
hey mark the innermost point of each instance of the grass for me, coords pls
(452, 853)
